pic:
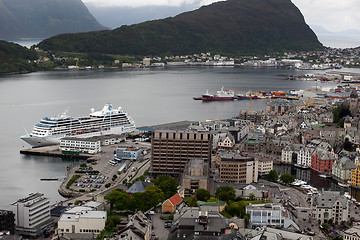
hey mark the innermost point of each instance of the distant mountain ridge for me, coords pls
(44, 18)
(231, 27)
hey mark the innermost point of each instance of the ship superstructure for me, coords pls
(106, 121)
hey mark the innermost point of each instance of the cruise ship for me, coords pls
(49, 131)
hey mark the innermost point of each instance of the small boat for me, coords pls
(343, 185)
(301, 166)
(197, 98)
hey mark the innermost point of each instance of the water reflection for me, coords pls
(312, 178)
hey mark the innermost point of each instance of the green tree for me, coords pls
(150, 198)
(191, 202)
(225, 193)
(233, 209)
(167, 184)
(252, 197)
(287, 178)
(272, 176)
(118, 199)
(202, 194)
(111, 223)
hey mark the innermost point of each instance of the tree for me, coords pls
(118, 198)
(225, 193)
(202, 194)
(272, 176)
(287, 178)
(233, 209)
(151, 197)
(167, 184)
(252, 197)
(111, 223)
(191, 202)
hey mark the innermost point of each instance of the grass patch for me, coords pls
(72, 180)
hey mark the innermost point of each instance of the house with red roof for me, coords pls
(169, 205)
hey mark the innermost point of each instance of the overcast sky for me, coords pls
(333, 15)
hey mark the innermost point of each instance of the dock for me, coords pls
(52, 151)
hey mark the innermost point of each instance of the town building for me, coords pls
(251, 191)
(201, 223)
(171, 150)
(355, 177)
(342, 169)
(74, 145)
(128, 153)
(265, 214)
(330, 205)
(32, 214)
(195, 176)
(254, 116)
(352, 233)
(280, 106)
(235, 168)
(322, 161)
(265, 166)
(271, 233)
(354, 103)
(138, 187)
(227, 143)
(169, 205)
(82, 220)
(138, 227)
(7, 221)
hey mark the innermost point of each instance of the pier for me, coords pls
(52, 151)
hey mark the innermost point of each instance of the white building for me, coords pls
(90, 145)
(297, 153)
(82, 220)
(31, 213)
(129, 153)
(265, 214)
(265, 166)
(342, 169)
(330, 205)
(304, 156)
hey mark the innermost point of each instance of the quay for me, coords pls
(52, 151)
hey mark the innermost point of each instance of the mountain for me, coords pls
(231, 27)
(116, 16)
(15, 58)
(44, 18)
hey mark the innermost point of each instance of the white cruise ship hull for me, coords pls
(55, 139)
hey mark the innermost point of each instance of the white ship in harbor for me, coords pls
(106, 121)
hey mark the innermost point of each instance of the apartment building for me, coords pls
(238, 169)
(171, 150)
(31, 213)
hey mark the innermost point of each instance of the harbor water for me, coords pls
(150, 96)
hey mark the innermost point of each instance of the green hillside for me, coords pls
(233, 27)
(15, 58)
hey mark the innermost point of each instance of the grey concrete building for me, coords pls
(195, 176)
(171, 150)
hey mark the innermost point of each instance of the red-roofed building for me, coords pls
(170, 204)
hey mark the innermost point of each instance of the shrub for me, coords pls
(107, 185)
